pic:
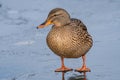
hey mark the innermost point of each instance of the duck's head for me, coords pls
(57, 17)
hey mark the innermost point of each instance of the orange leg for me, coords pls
(63, 67)
(83, 68)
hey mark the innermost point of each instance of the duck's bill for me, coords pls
(46, 23)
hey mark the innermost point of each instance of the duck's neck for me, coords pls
(62, 23)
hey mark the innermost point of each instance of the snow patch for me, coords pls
(25, 43)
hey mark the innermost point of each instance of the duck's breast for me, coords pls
(61, 42)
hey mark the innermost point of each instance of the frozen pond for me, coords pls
(24, 54)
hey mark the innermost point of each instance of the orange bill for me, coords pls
(46, 23)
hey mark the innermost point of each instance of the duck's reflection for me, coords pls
(75, 77)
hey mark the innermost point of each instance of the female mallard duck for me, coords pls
(68, 38)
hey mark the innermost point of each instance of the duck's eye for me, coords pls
(55, 15)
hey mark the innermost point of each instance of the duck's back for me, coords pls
(71, 40)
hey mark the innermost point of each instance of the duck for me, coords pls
(67, 38)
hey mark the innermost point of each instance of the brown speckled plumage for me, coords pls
(71, 40)
(68, 37)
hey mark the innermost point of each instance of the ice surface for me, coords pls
(24, 54)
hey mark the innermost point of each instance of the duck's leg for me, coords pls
(63, 67)
(83, 68)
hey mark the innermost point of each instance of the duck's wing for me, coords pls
(79, 23)
(80, 32)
